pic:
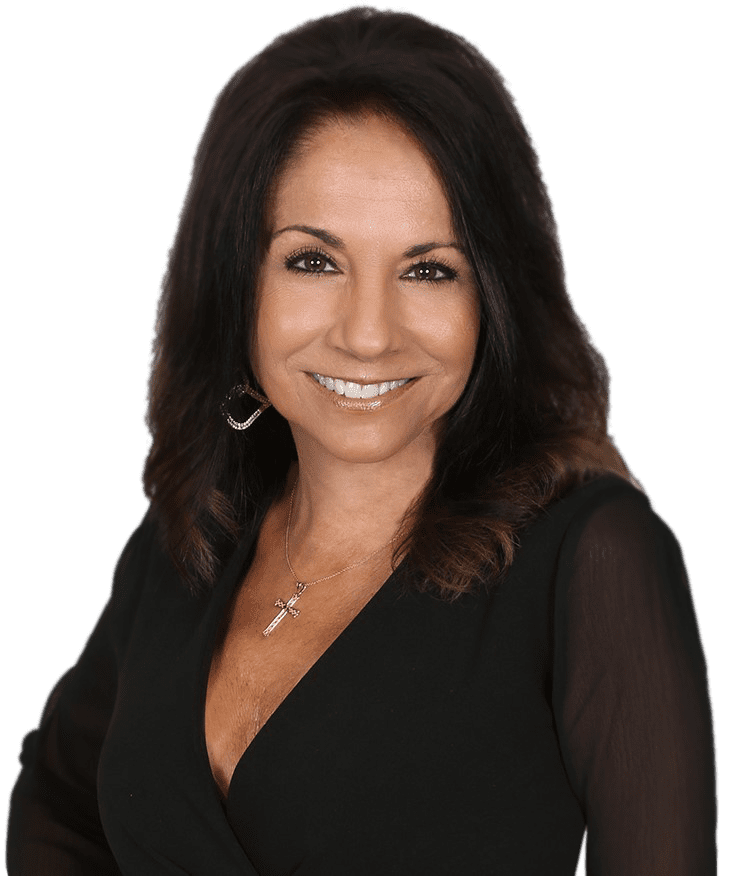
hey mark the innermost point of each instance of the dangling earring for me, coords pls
(240, 390)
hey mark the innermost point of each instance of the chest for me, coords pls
(251, 674)
(424, 723)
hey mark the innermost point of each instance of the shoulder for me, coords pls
(611, 519)
(141, 555)
(620, 574)
(138, 547)
(607, 512)
(603, 491)
(147, 580)
(602, 534)
(564, 519)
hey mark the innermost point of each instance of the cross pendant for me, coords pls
(286, 608)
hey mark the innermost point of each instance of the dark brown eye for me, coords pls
(431, 272)
(314, 263)
(310, 263)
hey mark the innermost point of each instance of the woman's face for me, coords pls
(367, 317)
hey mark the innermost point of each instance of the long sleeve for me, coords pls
(54, 825)
(631, 695)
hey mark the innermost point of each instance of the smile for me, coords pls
(358, 390)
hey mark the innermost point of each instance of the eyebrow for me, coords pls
(332, 240)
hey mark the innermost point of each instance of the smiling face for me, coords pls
(367, 320)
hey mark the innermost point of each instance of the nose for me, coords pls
(367, 325)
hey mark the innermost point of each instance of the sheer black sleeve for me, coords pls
(631, 696)
(54, 826)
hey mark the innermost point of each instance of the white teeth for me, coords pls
(356, 390)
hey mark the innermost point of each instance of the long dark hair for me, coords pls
(532, 420)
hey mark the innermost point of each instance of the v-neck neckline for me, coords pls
(223, 595)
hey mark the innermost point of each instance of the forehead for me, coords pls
(365, 166)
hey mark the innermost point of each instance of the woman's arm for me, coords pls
(54, 826)
(631, 695)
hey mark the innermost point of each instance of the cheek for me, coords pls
(452, 333)
(267, 342)
(469, 328)
(293, 308)
(285, 324)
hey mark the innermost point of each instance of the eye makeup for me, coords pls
(315, 262)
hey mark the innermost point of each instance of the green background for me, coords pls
(103, 105)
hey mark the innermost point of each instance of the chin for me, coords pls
(354, 447)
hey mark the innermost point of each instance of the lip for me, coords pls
(362, 404)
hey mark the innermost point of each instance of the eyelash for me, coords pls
(293, 260)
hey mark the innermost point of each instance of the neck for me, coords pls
(349, 509)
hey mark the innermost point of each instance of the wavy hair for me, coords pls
(531, 422)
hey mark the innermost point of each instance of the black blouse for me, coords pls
(478, 736)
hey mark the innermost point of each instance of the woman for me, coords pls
(396, 606)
